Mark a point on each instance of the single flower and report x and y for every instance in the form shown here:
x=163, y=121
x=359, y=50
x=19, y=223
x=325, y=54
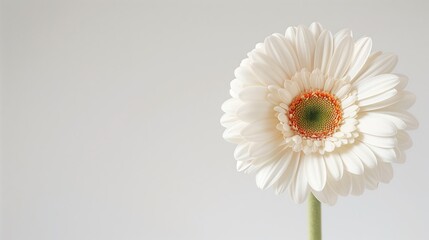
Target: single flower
x=316, y=112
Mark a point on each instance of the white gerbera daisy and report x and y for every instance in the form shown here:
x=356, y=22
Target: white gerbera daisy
x=316, y=112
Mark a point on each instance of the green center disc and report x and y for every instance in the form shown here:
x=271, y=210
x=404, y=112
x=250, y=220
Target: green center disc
x=315, y=114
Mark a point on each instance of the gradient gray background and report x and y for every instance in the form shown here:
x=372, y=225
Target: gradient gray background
x=110, y=121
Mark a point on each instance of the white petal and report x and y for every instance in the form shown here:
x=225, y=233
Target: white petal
x=371, y=178
x=285, y=96
x=305, y=79
x=233, y=93
x=385, y=172
x=384, y=154
x=329, y=146
x=404, y=101
x=231, y=105
x=351, y=162
x=400, y=155
x=343, y=91
x=282, y=51
x=273, y=99
x=290, y=35
x=236, y=84
x=334, y=165
x=268, y=74
x=389, y=101
x=383, y=142
x=365, y=154
x=227, y=120
x=351, y=99
x=350, y=121
x=315, y=170
x=347, y=128
x=326, y=196
x=343, y=186
x=245, y=74
x=323, y=51
x=403, y=81
x=339, y=135
x=233, y=134
x=289, y=174
x=264, y=149
x=305, y=45
x=253, y=93
x=341, y=58
x=270, y=158
x=315, y=28
x=358, y=185
x=252, y=111
x=384, y=97
x=361, y=51
x=317, y=80
x=337, y=85
x=298, y=188
x=251, y=168
x=370, y=87
x=243, y=165
x=329, y=84
x=404, y=140
x=383, y=63
x=241, y=152
x=402, y=120
x=340, y=35
x=376, y=126
x=292, y=87
x=270, y=173
x=261, y=130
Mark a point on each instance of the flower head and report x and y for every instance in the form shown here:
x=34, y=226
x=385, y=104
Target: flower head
x=316, y=112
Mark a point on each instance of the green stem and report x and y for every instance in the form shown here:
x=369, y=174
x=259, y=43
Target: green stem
x=314, y=218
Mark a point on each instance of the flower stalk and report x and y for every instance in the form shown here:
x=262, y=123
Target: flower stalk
x=314, y=218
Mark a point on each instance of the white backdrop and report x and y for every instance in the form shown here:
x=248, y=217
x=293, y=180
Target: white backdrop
x=110, y=121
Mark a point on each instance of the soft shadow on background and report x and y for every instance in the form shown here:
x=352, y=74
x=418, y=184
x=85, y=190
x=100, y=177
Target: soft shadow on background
x=110, y=121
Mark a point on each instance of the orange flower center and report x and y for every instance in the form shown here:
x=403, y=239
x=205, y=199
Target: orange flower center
x=315, y=114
